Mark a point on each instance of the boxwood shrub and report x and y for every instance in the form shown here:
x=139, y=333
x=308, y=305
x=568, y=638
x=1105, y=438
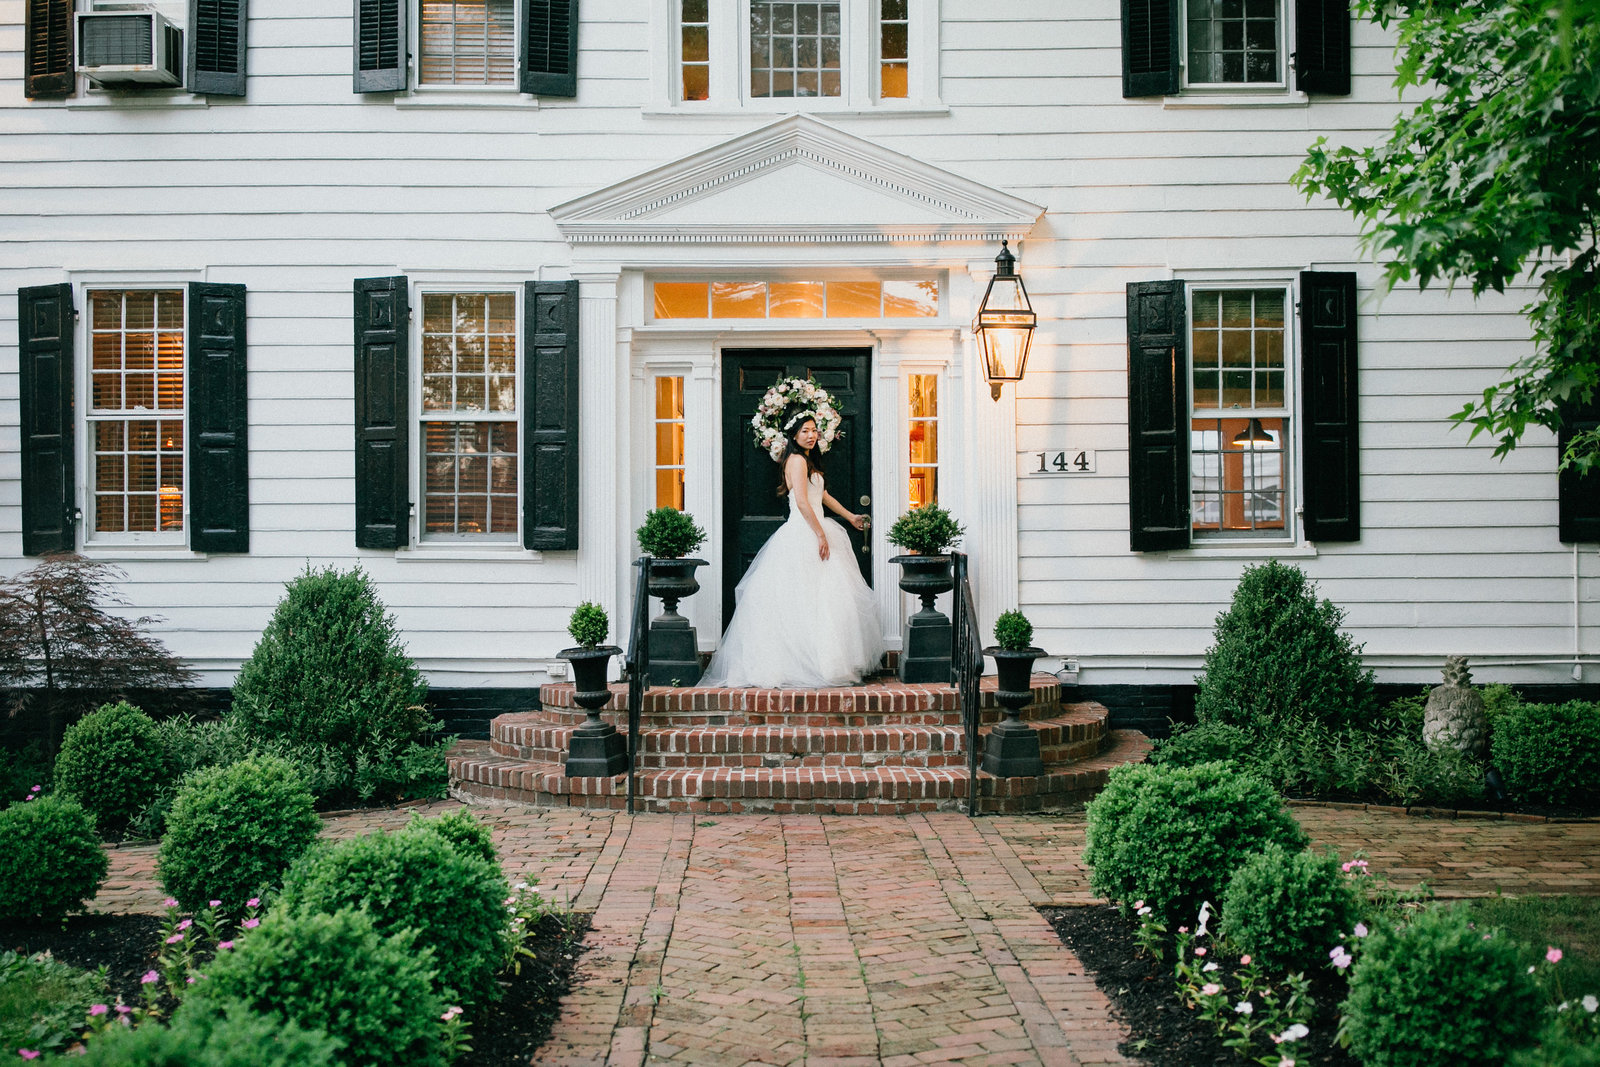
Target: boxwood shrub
x=1549, y=753
x=1173, y=836
x=1440, y=990
x=234, y=831
x=462, y=831
x=51, y=862
x=112, y=760
x=417, y=880
x=373, y=995
x=1288, y=908
x=231, y=1037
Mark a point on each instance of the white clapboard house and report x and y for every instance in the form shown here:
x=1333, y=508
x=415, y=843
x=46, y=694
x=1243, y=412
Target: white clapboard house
x=456, y=290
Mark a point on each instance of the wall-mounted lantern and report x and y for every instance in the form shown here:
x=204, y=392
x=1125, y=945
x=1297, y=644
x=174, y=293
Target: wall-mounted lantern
x=1004, y=325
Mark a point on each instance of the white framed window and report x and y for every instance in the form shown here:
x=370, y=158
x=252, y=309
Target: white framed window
x=796, y=298
x=1235, y=44
x=922, y=439
x=136, y=416
x=469, y=415
x=786, y=55
x=467, y=43
x=1241, y=392
x=669, y=441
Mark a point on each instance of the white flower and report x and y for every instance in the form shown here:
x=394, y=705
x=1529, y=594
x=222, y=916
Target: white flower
x=1211, y=967
x=1591, y=1003
x=1210, y=989
x=1361, y=929
x=1244, y=1007
x=1295, y=1032
x=1341, y=959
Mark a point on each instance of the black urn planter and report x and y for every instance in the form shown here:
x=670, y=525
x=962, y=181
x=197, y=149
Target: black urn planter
x=926, y=655
x=597, y=748
x=1012, y=748
x=674, y=648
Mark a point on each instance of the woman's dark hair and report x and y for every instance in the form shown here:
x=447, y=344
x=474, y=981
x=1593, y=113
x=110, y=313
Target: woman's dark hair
x=813, y=455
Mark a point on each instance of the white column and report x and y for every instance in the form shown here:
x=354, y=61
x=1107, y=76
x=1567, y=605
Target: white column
x=603, y=445
x=991, y=472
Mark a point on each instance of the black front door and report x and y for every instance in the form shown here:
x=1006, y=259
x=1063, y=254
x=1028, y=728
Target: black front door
x=752, y=507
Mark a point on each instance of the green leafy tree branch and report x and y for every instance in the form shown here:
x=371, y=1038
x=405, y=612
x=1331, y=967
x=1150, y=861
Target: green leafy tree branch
x=1495, y=173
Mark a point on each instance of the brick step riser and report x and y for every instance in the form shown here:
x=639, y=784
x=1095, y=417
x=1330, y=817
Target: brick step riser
x=887, y=697
x=831, y=751
x=732, y=717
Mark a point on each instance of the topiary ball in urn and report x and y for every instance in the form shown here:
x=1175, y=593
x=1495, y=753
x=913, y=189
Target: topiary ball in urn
x=668, y=533
x=926, y=531
x=1012, y=748
x=597, y=750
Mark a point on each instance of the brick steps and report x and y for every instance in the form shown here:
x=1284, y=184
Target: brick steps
x=478, y=774
x=881, y=748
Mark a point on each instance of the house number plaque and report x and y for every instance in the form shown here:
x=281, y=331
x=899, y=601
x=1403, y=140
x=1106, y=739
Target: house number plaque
x=1059, y=461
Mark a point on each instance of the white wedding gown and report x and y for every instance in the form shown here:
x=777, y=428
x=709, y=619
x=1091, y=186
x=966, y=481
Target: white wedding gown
x=799, y=621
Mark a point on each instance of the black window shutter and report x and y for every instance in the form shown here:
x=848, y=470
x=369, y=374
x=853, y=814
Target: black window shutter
x=1149, y=47
x=1158, y=416
x=383, y=473
x=380, y=46
x=1578, y=495
x=550, y=416
x=47, y=40
x=1322, y=46
x=1330, y=410
x=219, y=451
x=217, y=46
x=44, y=345
x=550, y=47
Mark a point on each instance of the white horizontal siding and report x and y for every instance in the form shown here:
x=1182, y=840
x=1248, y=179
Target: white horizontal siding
x=305, y=185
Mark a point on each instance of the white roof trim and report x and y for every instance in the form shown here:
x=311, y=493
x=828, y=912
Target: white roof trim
x=795, y=181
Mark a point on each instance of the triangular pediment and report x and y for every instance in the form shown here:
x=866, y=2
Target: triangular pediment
x=796, y=180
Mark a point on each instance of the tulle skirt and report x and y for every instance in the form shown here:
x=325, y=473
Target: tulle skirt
x=799, y=621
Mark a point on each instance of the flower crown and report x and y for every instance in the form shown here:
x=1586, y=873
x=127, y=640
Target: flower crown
x=788, y=403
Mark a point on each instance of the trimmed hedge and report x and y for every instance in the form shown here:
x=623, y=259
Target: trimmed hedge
x=51, y=862
x=112, y=760
x=1549, y=753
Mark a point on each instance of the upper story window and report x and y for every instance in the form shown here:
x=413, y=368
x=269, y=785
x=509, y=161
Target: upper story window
x=468, y=42
x=1169, y=46
x=819, y=54
x=529, y=46
x=1233, y=42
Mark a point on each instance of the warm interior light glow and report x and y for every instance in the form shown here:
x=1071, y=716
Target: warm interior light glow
x=1004, y=325
x=1253, y=436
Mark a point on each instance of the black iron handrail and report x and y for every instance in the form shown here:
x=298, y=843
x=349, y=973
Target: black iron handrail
x=637, y=664
x=966, y=667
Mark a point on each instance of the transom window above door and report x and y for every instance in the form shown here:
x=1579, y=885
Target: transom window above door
x=916, y=298
x=792, y=54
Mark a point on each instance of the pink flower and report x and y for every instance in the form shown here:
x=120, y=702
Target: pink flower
x=1361, y=929
x=251, y=924
x=1341, y=959
x=1210, y=989
x=224, y=944
x=170, y=902
x=25, y=1051
x=123, y=1009
x=28, y=1053
x=450, y=1013
x=213, y=903
x=1200, y=951
x=1244, y=960
x=174, y=939
x=1553, y=954
x=186, y=924
x=149, y=978
x=253, y=902
x=36, y=788
x=98, y=1009
x=1183, y=929
x=189, y=980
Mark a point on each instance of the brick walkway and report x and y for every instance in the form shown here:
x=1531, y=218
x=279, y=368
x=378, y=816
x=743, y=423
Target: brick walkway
x=876, y=940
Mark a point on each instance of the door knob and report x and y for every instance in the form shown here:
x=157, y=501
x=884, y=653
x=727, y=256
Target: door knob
x=866, y=501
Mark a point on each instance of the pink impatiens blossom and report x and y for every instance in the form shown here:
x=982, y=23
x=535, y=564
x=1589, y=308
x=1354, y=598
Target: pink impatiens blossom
x=28, y=1053
x=170, y=902
x=1553, y=954
x=186, y=924
x=1245, y=960
x=1210, y=989
x=213, y=903
x=253, y=902
x=174, y=939
x=149, y=978
x=1341, y=959
x=96, y=1010
x=1201, y=951
x=1361, y=929
x=224, y=944
x=250, y=924
x=451, y=1012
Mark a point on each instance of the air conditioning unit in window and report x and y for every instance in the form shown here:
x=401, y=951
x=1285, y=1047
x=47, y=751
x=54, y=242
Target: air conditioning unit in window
x=129, y=47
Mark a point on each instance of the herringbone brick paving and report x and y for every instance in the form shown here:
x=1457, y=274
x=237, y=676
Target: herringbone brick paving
x=839, y=940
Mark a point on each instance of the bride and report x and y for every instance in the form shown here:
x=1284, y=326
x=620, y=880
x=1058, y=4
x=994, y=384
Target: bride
x=835, y=638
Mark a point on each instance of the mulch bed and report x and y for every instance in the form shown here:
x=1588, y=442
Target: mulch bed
x=503, y=1034
x=1162, y=1031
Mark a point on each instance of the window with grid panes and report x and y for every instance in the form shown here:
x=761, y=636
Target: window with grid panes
x=843, y=51
x=1233, y=42
x=470, y=411
x=136, y=411
x=922, y=483
x=1239, y=460
x=468, y=42
x=669, y=442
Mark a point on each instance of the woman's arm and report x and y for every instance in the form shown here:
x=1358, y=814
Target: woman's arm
x=858, y=521
x=794, y=475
